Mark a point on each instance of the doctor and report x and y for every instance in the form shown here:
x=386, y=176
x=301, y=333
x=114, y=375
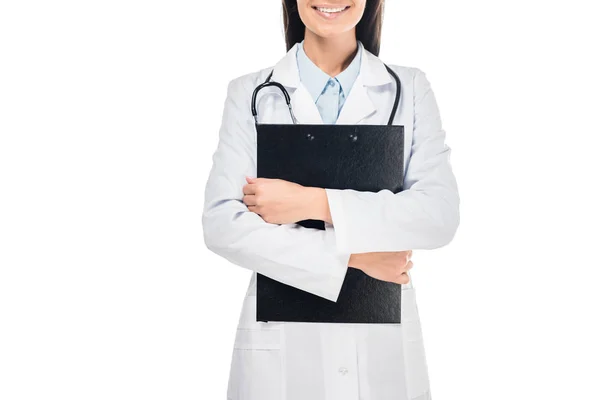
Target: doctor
x=334, y=76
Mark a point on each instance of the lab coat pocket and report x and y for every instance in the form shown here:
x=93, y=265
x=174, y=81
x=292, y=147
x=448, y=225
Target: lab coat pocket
x=256, y=374
x=256, y=365
x=417, y=379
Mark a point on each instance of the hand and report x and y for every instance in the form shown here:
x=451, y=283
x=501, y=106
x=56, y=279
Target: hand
x=390, y=266
x=281, y=202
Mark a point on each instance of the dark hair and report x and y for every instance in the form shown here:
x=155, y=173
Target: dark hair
x=368, y=29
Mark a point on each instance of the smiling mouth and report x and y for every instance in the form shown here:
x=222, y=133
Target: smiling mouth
x=330, y=11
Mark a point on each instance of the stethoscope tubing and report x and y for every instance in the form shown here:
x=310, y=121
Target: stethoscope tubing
x=286, y=95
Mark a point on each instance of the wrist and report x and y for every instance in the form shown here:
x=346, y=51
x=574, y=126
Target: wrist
x=317, y=204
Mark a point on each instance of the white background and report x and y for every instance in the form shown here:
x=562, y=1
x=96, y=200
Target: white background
x=109, y=115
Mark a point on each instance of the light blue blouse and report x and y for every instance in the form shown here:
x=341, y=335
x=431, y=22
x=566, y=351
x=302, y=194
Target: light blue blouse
x=329, y=93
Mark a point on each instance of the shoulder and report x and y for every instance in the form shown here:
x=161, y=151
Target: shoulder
x=243, y=85
x=410, y=73
x=415, y=77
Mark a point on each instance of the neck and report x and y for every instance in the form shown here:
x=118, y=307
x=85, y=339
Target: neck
x=332, y=55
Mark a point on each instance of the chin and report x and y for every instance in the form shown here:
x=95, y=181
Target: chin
x=328, y=32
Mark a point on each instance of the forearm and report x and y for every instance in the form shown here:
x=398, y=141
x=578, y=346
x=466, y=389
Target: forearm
x=301, y=257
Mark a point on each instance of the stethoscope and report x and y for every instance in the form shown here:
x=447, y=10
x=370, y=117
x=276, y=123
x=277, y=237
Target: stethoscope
x=287, y=98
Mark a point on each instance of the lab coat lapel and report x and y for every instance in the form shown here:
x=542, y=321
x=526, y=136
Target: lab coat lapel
x=358, y=104
x=286, y=72
x=304, y=106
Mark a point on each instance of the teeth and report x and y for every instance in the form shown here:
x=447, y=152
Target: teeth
x=331, y=10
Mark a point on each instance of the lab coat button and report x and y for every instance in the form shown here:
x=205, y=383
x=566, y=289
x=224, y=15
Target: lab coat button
x=343, y=370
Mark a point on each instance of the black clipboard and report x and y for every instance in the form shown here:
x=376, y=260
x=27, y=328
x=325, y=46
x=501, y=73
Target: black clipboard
x=360, y=157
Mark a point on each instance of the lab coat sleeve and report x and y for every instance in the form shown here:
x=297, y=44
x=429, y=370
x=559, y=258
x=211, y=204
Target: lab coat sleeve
x=305, y=258
x=425, y=215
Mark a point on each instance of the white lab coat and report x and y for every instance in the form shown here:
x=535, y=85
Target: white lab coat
x=322, y=361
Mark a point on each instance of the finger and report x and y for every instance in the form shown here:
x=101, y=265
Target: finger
x=250, y=179
x=259, y=180
x=249, y=188
x=249, y=200
x=409, y=265
x=403, y=279
x=254, y=209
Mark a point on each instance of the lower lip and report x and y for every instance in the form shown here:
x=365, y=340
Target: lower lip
x=331, y=16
